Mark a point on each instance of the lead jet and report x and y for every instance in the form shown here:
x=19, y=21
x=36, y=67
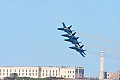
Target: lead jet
x=70, y=35
x=66, y=29
x=79, y=49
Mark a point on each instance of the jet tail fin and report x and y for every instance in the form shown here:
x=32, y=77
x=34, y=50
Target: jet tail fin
x=64, y=25
x=77, y=37
x=73, y=33
x=69, y=27
x=81, y=54
x=84, y=52
x=78, y=43
x=81, y=46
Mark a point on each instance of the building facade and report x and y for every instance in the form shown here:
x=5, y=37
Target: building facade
x=112, y=76
x=43, y=71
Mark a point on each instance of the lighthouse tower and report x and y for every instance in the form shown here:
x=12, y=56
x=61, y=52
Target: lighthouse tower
x=101, y=75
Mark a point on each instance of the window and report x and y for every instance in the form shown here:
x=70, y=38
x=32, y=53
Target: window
x=26, y=74
x=36, y=74
x=26, y=70
x=33, y=70
x=64, y=76
x=7, y=73
x=46, y=71
x=53, y=72
x=29, y=70
x=19, y=70
x=43, y=74
x=56, y=74
x=68, y=76
x=43, y=71
x=19, y=74
x=68, y=71
x=7, y=70
x=3, y=73
x=22, y=74
x=22, y=70
x=29, y=74
x=33, y=74
x=0, y=73
x=0, y=70
x=36, y=70
x=73, y=71
x=46, y=74
x=73, y=76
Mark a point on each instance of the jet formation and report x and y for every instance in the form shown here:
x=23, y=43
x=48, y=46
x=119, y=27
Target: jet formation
x=72, y=38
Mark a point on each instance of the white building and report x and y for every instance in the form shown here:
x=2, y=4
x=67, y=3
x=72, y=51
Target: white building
x=42, y=71
x=112, y=76
x=5, y=71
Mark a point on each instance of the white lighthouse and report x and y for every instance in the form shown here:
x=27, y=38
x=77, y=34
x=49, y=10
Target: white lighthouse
x=101, y=75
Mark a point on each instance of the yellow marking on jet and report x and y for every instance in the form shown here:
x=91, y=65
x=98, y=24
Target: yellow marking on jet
x=65, y=28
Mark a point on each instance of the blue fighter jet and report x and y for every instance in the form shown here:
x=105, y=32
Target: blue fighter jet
x=66, y=29
x=73, y=41
x=70, y=35
x=79, y=49
x=72, y=38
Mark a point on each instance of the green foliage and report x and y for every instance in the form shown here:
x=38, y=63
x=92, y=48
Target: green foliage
x=27, y=78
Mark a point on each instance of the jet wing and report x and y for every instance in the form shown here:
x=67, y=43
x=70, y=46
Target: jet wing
x=66, y=35
x=67, y=40
x=62, y=29
x=70, y=35
x=73, y=48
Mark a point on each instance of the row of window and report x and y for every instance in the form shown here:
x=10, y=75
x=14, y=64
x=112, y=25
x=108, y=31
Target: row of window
x=49, y=75
x=70, y=71
x=50, y=71
x=56, y=71
x=10, y=70
x=69, y=76
x=21, y=74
